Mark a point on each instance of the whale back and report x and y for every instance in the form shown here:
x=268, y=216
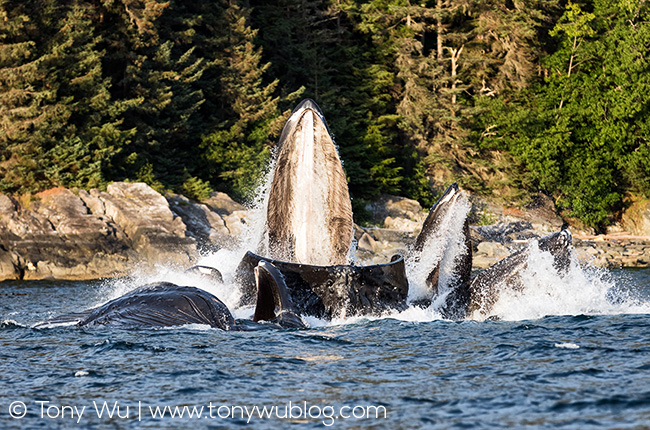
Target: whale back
x=309, y=214
x=160, y=304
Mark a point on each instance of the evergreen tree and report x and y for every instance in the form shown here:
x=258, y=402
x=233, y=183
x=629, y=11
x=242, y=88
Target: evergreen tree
x=26, y=102
x=580, y=134
x=92, y=134
x=314, y=47
x=163, y=72
x=238, y=151
x=61, y=123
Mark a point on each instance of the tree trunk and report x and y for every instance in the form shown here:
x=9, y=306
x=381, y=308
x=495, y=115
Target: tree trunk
x=439, y=29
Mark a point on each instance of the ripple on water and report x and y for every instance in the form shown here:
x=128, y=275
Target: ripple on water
x=430, y=374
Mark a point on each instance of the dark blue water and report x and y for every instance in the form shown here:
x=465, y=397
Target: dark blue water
x=570, y=371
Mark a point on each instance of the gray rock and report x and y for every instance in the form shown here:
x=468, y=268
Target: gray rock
x=636, y=218
x=204, y=224
x=93, y=202
x=56, y=237
x=367, y=243
x=68, y=214
x=8, y=269
x=501, y=231
x=144, y=215
x=237, y=222
x=396, y=212
x=58, y=234
x=223, y=204
x=390, y=235
x=493, y=249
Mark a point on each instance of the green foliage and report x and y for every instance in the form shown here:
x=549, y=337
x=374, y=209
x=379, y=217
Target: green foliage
x=582, y=132
x=197, y=189
x=191, y=96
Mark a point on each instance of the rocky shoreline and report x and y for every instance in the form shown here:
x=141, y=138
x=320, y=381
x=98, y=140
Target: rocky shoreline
x=60, y=234
x=79, y=235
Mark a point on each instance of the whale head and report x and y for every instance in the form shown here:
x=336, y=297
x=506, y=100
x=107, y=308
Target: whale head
x=559, y=245
x=309, y=213
x=445, y=204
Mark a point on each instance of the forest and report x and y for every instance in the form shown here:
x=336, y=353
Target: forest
x=506, y=97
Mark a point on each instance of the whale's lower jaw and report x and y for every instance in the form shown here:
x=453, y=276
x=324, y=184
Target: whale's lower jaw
x=333, y=291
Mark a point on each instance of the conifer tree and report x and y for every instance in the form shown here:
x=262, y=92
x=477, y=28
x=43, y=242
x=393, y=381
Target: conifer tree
x=26, y=108
x=163, y=72
x=239, y=149
x=92, y=134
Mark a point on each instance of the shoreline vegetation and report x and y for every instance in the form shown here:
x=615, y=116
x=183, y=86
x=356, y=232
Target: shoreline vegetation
x=79, y=235
x=510, y=99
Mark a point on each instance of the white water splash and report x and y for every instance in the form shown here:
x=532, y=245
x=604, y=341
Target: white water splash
x=582, y=290
x=567, y=345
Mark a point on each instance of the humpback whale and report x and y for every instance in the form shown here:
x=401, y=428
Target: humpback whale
x=484, y=290
x=334, y=291
x=207, y=272
x=309, y=214
x=466, y=297
x=445, y=242
x=163, y=304
x=310, y=228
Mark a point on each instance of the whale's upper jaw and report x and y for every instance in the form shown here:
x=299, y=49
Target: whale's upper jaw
x=309, y=213
x=444, y=204
x=308, y=104
x=452, y=192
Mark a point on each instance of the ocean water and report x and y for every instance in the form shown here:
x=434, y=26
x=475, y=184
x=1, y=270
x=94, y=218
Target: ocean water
x=573, y=354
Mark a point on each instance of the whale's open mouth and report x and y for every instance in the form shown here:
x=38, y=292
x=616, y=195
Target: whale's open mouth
x=309, y=214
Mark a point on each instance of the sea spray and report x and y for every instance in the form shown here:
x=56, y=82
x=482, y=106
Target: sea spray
x=582, y=290
x=444, y=246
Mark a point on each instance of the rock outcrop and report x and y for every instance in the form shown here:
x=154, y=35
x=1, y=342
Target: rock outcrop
x=636, y=219
x=62, y=235
x=499, y=231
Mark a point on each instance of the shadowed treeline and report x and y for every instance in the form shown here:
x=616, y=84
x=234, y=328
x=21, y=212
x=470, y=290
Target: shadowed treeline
x=505, y=97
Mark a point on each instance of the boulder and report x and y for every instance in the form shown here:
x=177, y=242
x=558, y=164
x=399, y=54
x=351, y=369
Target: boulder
x=55, y=236
x=237, y=222
x=66, y=235
x=68, y=214
x=636, y=219
x=402, y=224
x=367, y=243
x=222, y=204
x=93, y=202
x=8, y=270
x=203, y=224
x=493, y=249
x=397, y=213
x=147, y=220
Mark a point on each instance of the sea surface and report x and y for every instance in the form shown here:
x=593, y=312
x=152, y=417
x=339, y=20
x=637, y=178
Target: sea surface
x=581, y=368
